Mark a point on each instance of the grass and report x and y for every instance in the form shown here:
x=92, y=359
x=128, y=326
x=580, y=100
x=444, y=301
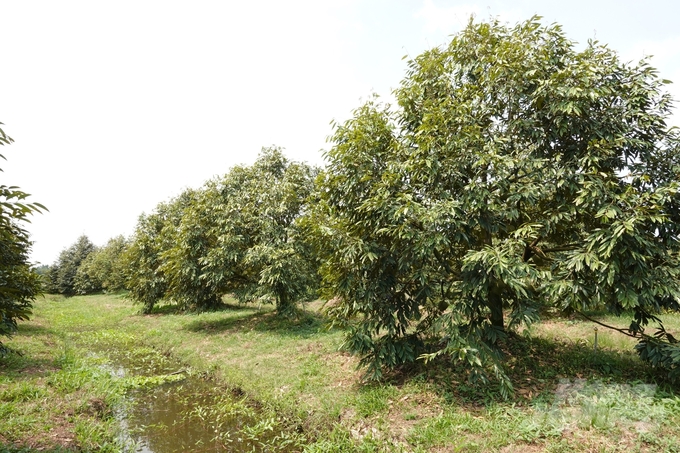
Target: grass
x=568, y=396
x=53, y=397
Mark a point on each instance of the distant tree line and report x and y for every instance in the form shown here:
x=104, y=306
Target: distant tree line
x=84, y=268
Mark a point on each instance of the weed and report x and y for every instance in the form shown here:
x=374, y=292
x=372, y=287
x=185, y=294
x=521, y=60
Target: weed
x=23, y=391
x=374, y=399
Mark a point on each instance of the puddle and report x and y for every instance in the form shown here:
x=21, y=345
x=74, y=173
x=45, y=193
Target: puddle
x=191, y=413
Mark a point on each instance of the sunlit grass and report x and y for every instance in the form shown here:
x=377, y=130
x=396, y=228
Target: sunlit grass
x=293, y=368
x=53, y=398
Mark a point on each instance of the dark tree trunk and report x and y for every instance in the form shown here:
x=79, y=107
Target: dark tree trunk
x=283, y=305
x=495, y=300
x=496, y=307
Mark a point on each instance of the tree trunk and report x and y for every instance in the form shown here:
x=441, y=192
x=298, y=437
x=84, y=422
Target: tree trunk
x=495, y=300
x=283, y=304
x=496, y=307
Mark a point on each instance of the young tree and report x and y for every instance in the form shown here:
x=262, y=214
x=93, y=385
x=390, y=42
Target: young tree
x=103, y=269
x=64, y=270
x=238, y=234
x=182, y=262
x=19, y=283
x=257, y=250
x=154, y=236
x=86, y=281
x=516, y=173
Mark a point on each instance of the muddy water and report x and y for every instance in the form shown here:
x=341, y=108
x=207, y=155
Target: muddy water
x=192, y=414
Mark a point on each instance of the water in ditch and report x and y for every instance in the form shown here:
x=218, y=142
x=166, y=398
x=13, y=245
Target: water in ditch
x=170, y=409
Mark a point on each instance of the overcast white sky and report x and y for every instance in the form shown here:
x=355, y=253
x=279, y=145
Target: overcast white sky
x=117, y=106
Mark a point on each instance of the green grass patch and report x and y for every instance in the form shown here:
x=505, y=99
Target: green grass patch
x=568, y=396
x=55, y=398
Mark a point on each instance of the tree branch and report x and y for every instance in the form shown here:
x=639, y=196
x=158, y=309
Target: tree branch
x=563, y=248
x=529, y=250
x=514, y=176
x=442, y=261
x=626, y=332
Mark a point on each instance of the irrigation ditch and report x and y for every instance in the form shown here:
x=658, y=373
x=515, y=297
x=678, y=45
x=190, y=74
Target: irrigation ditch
x=169, y=407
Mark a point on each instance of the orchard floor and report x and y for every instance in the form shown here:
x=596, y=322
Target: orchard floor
x=306, y=394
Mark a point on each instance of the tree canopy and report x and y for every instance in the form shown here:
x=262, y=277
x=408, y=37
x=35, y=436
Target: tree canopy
x=103, y=269
x=153, y=236
x=63, y=274
x=19, y=283
x=260, y=252
x=238, y=234
x=516, y=173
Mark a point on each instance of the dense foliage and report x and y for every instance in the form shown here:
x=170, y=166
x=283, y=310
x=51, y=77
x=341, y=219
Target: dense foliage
x=153, y=237
x=261, y=253
x=238, y=234
x=103, y=269
x=64, y=272
x=516, y=174
x=19, y=283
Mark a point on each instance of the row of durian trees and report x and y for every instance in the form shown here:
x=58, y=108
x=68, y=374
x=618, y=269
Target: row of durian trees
x=238, y=234
x=514, y=174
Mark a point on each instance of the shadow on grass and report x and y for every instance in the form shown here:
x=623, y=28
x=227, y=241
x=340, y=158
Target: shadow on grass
x=20, y=365
x=23, y=360
x=172, y=309
x=301, y=324
x=535, y=366
x=30, y=330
